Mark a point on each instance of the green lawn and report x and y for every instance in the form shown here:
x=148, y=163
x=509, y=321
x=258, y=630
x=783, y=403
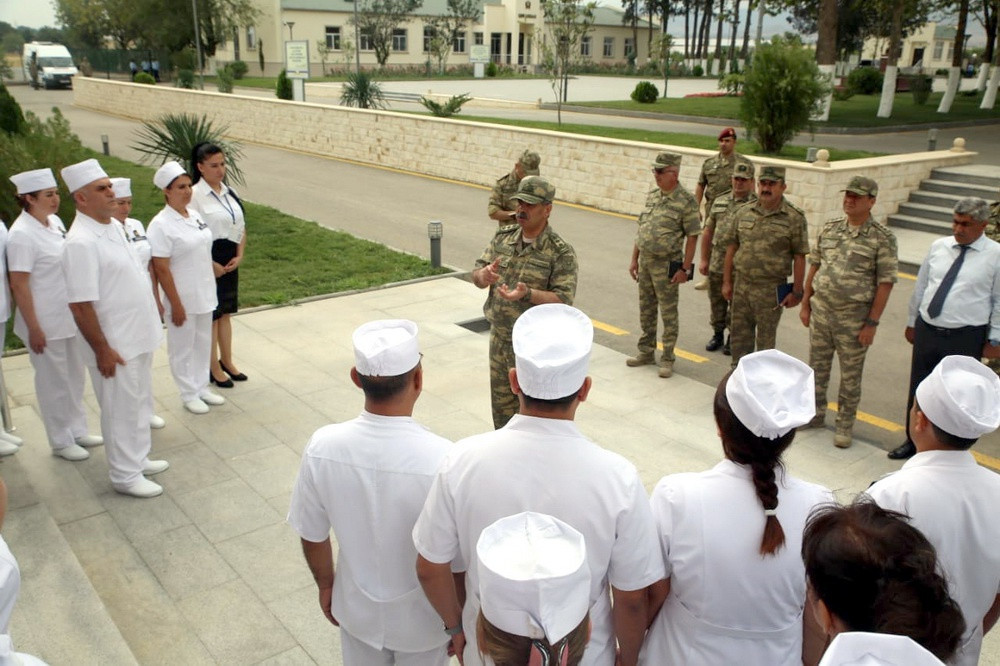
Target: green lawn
x=858, y=111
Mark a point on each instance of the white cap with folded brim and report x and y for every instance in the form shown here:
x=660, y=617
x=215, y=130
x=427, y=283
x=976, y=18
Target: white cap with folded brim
x=122, y=187
x=552, y=350
x=534, y=580
x=386, y=347
x=167, y=174
x=36, y=180
x=82, y=173
x=962, y=397
x=771, y=393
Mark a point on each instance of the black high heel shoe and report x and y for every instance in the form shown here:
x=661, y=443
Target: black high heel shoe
x=225, y=383
x=238, y=377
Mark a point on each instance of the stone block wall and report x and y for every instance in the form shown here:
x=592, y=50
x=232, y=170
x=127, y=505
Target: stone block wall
x=608, y=174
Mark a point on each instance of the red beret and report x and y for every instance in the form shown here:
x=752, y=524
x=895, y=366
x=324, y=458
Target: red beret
x=729, y=131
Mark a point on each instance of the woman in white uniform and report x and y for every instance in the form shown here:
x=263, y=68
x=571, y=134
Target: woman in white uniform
x=222, y=211
x=735, y=587
x=876, y=589
x=136, y=234
x=43, y=320
x=9, y=444
x=534, y=587
x=181, y=246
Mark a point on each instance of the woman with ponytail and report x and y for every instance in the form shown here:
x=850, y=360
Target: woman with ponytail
x=875, y=588
x=730, y=536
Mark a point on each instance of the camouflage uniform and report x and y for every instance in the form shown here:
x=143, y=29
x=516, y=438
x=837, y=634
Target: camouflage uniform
x=993, y=231
x=500, y=197
x=717, y=176
x=548, y=263
x=768, y=241
x=664, y=225
x=719, y=220
x=852, y=262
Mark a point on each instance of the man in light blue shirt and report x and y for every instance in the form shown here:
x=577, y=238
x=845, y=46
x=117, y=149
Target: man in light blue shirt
x=955, y=308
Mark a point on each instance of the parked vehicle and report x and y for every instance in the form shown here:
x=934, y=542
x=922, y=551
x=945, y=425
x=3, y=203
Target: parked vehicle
x=55, y=68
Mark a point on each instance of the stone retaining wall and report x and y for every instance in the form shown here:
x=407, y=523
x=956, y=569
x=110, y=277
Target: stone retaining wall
x=608, y=174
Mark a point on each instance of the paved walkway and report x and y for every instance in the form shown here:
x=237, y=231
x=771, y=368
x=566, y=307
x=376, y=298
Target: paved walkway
x=209, y=573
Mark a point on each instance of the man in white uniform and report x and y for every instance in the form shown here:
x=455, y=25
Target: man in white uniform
x=950, y=498
x=367, y=480
x=541, y=462
x=115, y=311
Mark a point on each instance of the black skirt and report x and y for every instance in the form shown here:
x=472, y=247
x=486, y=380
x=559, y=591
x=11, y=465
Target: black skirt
x=227, y=286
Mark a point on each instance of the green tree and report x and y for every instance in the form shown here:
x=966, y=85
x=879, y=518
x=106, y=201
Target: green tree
x=447, y=27
x=377, y=19
x=566, y=23
x=324, y=54
x=782, y=91
x=12, y=42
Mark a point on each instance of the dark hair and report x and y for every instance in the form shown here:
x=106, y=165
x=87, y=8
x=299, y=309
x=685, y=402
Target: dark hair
x=507, y=649
x=550, y=405
x=381, y=389
x=946, y=438
x=878, y=573
x=201, y=152
x=761, y=455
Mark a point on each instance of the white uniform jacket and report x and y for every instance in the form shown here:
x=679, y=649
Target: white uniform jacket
x=545, y=465
x=860, y=648
x=728, y=604
x=36, y=249
x=953, y=501
x=187, y=242
x=367, y=479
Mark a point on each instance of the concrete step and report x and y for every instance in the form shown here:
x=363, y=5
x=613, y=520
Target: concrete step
x=938, y=199
x=936, y=227
x=929, y=211
x=959, y=188
x=976, y=174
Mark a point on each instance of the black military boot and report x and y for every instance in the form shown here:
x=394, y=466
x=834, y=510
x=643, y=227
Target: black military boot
x=726, y=349
x=715, y=342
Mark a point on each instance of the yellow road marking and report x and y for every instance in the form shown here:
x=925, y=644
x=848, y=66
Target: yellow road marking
x=686, y=355
x=987, y=460
x=907, y=276
x=876, y=421
x=608, y=328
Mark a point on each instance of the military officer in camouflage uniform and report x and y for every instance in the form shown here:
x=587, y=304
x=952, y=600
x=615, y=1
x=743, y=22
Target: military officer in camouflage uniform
x=668, y=233
x=525, y=264
x=713, y=249
x=502, y=206
x=852, y=270
x=767, y=241
x=716, y=176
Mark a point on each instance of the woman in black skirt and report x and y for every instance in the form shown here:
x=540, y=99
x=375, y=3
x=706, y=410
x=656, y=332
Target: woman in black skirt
x=222, y=210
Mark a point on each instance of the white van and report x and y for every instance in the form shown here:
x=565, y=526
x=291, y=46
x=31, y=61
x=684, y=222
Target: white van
x=55, y=64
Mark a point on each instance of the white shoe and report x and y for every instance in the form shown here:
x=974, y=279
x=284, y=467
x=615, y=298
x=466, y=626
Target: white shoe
x=72, y=453
x=702, y=285
x=10, y=437
x=89, y=440
x=155, y=467
x=8, y=448
x=212, y=398
x=196, y=406
x=141, y=488
x=157, y=422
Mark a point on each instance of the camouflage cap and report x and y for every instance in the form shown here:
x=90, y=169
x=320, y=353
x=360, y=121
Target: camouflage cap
x=529, y=161
x=744, y=170
x=535, y=189
x=667, y=160
x=774, y=173
x=863, y=186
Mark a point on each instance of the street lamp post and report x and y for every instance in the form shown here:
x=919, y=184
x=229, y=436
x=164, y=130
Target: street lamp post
x=197, y=43
x=291, y=26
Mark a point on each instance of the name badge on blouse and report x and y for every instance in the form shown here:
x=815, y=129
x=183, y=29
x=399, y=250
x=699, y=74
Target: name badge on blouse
x=202, y=225
x=136, y=238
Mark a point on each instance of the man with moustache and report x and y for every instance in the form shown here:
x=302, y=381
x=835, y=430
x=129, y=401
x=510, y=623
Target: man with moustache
x=525, y=264
x=768, y=240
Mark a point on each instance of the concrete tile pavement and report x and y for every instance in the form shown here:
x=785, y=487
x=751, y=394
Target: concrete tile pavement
x=209, y=573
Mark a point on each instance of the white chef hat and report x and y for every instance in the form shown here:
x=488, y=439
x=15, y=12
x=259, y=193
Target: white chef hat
x=167, y=173
x=534, y=580
x=122, y=187
x=552, y=350
x=386, y=347
x=771, y=393
x=962, y=397
x=27, y=182
x=82, y=173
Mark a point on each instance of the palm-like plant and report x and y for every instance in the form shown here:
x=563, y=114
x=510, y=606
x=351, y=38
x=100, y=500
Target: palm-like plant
x=174, y=135
x=449, y=108
x=362, y=91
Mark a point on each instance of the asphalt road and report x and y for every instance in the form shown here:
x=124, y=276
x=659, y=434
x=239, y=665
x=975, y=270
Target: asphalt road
x=394, y=208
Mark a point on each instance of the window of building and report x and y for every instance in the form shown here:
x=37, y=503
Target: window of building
x=399, y=39
x=609, y=47
x=477, y=38
x=951, y=50
x=428, y=36
x=333, y=37
x=251, y=38
x=585, y=46
x=458, y=45
x=366, y=41
x=629, y=46
x=938, y=49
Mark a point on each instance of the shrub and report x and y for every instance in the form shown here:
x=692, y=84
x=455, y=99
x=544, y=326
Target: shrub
x=224, y=79
x=842, y=93
x=186, y=58
x=865, y=81
x=491, y=69
x=697, y=70
x=941, y=72
x=185, y=78
x=283, y=89
x=732, y=83
x=173, y=136
x=143, y=77
x=362, y=91
x=645, y=92
x=449, y=108
x=238, y=68
x=11, y=117
x=783, y=90
x=920, y=86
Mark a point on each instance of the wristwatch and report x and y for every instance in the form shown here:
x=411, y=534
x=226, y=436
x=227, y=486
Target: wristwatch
x=871, y=322
x=454, y=631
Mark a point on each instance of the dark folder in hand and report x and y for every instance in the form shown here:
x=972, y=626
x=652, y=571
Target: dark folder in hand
x=781, y=291
x=675, y=266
